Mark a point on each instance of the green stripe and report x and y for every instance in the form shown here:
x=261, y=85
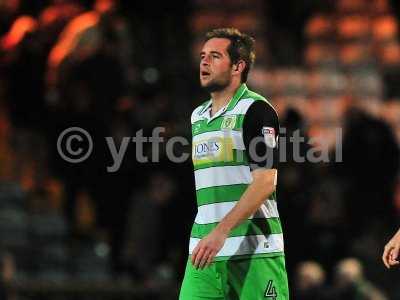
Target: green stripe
x=224, y=193
x=239, y=158
x=217, y=194
x=215, y=125
x=240, y=92
x=257, y=226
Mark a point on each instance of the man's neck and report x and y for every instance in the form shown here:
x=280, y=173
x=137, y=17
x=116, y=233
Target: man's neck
x=221, y=98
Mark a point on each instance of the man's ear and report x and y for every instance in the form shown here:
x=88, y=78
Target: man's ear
x=239, y=67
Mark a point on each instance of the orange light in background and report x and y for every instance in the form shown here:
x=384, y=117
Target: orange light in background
x=21, y=26
x=390, y=54
x=103, y=6
x=68, y=38
x=318, y=25
x=384, y=28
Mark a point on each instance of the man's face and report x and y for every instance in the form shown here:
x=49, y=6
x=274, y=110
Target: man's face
x=215, y=65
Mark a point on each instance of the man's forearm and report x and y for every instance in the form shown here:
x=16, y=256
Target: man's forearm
x=255, y=194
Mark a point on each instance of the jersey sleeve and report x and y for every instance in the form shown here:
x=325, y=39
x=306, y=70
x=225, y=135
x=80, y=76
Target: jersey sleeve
x=260, y=136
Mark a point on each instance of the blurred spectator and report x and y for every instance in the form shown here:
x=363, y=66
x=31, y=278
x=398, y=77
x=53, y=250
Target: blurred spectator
x=22, y=72
x=88, y=70
x=349, y=282
x=98, y=30
x=295, y=182
x=368, y=144
x=148, y=229
x=309, y=281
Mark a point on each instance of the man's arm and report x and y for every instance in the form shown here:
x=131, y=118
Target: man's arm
x=391, y=252
x=260, y=122
x=263, y=185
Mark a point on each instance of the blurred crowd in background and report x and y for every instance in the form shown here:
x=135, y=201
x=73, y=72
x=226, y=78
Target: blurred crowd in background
x=116, y=67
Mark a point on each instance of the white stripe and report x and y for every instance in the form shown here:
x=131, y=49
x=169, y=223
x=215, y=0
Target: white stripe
x=251, y=244
x=236, y=135
x=241, y=107
x=215, y=212
x=224, y=175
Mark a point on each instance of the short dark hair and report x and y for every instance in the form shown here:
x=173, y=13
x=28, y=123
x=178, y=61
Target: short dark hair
x=240, y=48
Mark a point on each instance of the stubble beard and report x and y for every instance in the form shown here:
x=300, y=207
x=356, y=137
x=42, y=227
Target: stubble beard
x=217, y=85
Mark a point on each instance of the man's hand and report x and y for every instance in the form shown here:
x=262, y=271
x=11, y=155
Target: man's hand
x=207, y=248
x=391, y=253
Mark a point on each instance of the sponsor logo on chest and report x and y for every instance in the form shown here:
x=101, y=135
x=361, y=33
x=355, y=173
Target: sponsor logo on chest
x=214, y=149
x=207, y=148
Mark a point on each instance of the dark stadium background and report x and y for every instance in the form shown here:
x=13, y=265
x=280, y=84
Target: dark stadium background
x=76, y=231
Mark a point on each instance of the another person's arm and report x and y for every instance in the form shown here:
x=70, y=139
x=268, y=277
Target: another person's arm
x=390, y=255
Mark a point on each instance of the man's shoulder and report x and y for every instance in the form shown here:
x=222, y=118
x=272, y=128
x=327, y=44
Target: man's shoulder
x=261, y=110
x=251, y=99
x=258, y=100
x=249, y=94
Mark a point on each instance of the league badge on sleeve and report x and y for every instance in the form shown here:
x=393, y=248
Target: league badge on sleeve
x=270, y=137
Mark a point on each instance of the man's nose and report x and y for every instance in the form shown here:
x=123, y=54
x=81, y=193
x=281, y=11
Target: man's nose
x=205, y=61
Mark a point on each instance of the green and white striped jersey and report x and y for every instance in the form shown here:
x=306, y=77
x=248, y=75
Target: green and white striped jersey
x=222, y=174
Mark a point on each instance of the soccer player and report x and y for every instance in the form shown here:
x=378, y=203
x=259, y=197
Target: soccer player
x=236, y=242
x=390, y=255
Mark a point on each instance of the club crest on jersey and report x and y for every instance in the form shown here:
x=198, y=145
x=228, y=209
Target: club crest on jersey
x=228, y=122
x=269, y=136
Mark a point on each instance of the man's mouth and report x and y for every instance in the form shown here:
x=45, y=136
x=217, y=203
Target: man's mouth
x=205, y=73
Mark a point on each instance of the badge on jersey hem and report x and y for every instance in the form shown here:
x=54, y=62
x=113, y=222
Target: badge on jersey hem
x=269, y=136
